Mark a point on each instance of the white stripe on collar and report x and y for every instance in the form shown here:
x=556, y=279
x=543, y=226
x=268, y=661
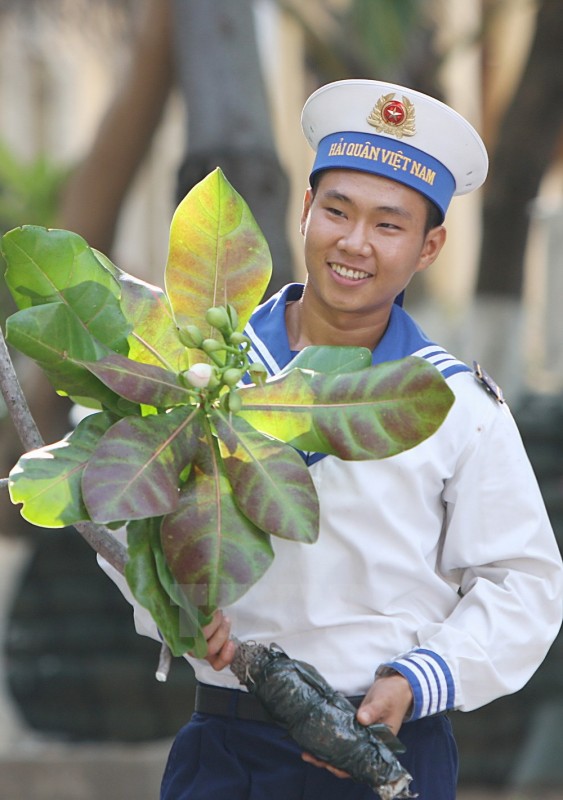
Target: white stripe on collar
x=439, y=357
x=259, y=351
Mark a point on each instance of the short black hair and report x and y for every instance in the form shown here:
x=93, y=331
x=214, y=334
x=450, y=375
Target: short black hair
x=434, y=216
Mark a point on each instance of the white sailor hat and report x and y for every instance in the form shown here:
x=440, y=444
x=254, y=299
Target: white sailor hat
x=397, y=133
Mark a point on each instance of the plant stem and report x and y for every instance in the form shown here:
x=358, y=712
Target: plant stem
x=104, y=543
x=99, y=538
x=164, y=663
x=15, y=401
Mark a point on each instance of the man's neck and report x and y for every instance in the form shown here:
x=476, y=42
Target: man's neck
x=305, y=326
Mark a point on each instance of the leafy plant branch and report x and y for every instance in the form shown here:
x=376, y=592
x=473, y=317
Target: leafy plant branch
x=189, y=446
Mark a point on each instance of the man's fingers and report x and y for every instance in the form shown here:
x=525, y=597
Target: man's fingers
x=220, y=648
x=388, y=700
x=217, y=633
x=217, y=620
x=224, y=657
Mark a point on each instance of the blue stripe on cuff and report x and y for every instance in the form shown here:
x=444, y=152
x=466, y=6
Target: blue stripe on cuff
x=430, y=679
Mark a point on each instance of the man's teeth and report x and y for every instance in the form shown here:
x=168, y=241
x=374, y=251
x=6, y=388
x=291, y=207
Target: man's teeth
x=352, y=274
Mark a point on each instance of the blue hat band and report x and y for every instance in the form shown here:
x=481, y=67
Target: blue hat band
x=391, y=159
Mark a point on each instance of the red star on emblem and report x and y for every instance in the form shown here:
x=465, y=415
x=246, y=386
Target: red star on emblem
x=394, y=112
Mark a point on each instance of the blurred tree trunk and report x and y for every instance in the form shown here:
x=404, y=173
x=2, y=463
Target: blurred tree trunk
x=228, y=115
x=526, y=145
x=97, y=188
x=211, y=49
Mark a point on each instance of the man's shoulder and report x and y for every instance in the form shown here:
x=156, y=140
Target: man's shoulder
x=446, y=363
x=404, y=337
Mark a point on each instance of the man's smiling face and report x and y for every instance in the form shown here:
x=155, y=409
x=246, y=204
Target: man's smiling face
x=365, y=237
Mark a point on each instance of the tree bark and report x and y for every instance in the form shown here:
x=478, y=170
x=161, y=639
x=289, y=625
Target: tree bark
x=527, y=141
x=95, y=192
x=228, y=115
x=211, y=50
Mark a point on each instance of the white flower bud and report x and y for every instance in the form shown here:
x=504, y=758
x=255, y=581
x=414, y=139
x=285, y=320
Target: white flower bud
x=199, y=375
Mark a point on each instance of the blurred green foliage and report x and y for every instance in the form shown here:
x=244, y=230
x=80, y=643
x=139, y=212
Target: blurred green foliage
x=29, y=194
x=385, y=39
x=379, y=29
x=29, y=190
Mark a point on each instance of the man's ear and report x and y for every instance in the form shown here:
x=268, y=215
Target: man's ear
x=307, y=201
x=433, y=243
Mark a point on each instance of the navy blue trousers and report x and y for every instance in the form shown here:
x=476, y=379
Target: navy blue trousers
x=222, y=758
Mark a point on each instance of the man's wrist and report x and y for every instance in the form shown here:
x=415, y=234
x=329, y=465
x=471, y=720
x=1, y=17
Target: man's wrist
x=385, y=671
x=430, y=679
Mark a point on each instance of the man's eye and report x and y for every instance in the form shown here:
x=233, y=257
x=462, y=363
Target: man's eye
x=336, y=211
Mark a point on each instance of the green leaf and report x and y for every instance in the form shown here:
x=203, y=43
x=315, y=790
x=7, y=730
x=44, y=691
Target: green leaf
x=190, y=619
x=217, y=255
x=373, y=413
x=141, y=383
x=330, y=358
x=271, y=483
x=214, y=552
x=154, y=337
x=282, y=406
x=53, y=336
x=55, y=266
x=47, y=481
x=143, y=578
x=135, y=470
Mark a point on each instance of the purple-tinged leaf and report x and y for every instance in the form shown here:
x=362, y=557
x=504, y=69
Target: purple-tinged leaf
x=47, y=481
x=191, y=619
x=214, y=552
x=140, y=383
x=179, y=628
x=271, y=483
x=135, y=470
x=369, y=414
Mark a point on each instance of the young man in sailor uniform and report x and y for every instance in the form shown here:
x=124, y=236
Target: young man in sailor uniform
x=436, y=581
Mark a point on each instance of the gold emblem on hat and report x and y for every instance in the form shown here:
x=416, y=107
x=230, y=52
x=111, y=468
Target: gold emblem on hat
x=393, y=117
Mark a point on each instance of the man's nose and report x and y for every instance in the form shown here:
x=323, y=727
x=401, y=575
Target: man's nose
x=356, y=240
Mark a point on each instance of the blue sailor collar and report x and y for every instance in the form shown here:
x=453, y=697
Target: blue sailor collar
x=403, y=337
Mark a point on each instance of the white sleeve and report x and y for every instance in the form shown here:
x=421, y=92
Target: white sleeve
x=499, y=548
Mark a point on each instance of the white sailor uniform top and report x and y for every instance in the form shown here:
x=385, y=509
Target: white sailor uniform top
x=439, y=562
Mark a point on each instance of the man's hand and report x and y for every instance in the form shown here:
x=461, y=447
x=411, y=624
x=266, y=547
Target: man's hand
x=220, y=648
x=388, y=700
